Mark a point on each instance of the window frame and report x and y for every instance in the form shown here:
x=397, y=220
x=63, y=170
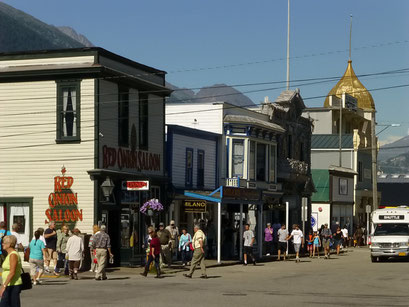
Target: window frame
x=59, y=110
x=143, y=139
x=189, y=170
x=233, y=174
x=123, y=104
x=200, y=183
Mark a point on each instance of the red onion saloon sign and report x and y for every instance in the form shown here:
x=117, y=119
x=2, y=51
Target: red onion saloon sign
x=63, y=202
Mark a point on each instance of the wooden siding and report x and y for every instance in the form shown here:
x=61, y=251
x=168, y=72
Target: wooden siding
x=178, y=160
x=29, y=155
x=47, y=61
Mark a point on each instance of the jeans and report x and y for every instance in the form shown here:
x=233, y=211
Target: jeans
x=61, y=256
x=269, y=247
x=186, y=256
x=150, y=259
x=11, y=297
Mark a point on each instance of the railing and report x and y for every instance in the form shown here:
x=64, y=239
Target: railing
x=233, y=182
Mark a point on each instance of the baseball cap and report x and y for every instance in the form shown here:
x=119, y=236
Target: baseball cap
x=161, y=224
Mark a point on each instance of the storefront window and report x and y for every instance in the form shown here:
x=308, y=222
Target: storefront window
x=252, y=165
x=238, y=158
x=261, y=162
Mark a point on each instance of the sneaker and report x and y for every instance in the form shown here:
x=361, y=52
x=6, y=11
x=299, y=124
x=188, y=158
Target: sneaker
x=98, y=278
x=187, y=275
x=92, y=271
x=325, y=257
x=34, y=282
x=38, y=282
x=267, y=254
x=204, y=277
x=104, y=278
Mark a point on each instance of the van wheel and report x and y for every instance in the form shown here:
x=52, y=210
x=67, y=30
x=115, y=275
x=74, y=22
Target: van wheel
x=373, y=259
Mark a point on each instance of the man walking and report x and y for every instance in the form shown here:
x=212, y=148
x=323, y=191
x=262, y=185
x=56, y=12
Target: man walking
x=174, y=233
x=268, y=238
x=50, y=236
x=164, y=238
x=282, y=241
x=298, y=240
x=102, y=246
x=248, y=237
x=326, y=239
x=198, y=243
x=14, y=232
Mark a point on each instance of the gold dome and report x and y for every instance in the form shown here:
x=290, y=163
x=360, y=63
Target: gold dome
x=351, y=85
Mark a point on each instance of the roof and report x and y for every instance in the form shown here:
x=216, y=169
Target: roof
x=242, y=119
x=321, y=183
x=192, y=132
x=286, y=96
x=342, y=170
x=351, y=85
x=331, y=141
x=393, y=178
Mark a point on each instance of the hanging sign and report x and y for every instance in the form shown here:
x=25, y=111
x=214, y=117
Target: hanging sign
x=195, y=206
x=140, y=185
x=63, y=202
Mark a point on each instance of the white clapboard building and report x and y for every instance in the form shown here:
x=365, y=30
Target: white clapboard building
x=78, y=127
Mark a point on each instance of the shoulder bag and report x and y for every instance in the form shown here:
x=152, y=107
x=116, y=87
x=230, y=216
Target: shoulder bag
x=26, y=279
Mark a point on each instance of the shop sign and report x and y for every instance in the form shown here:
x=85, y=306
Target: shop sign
x=195, y=206
x=240, y=193
x=140, y=185
x=63, y=202
x=131, y=159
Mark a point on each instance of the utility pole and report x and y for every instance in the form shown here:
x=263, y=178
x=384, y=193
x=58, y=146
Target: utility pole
x=288, y=48
x=374, y=149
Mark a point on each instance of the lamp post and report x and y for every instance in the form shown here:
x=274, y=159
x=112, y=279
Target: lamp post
x=107, y=187
x=386, y=127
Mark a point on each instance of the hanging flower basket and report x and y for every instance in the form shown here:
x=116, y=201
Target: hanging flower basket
x=151, y=206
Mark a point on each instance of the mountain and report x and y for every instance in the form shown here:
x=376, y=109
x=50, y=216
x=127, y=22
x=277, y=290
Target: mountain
x=393, y=158
x=214, y=93
x=21, y=32
x=76, y=36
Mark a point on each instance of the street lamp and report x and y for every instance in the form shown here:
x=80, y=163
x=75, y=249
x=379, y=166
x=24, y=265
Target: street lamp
x=386, y=127
x=107, y=187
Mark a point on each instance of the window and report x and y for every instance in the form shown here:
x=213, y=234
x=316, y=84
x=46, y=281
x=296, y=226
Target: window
x=290, y=146
x=360, y=171
x=200, y=168
x=252, y=166
x=261, y=162
x=343, y=186
x=123, y=117
x=143, y=121
x=68, y=111
x=189, y=167
x=272, y=163
x=238, y=158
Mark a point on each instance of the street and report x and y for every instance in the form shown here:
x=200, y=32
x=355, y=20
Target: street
x=347, y=280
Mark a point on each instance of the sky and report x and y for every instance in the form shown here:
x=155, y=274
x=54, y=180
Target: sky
x=201, y=43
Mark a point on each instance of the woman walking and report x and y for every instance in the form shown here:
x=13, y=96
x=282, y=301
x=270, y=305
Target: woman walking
x=37, y=255
x=317, y=244
x=11, y=288
x=154, y=252
x=184, y=243
x=338, y=239
x=94, y=263
x=75, y=249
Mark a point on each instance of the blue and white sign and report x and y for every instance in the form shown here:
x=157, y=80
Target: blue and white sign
x=314, y=221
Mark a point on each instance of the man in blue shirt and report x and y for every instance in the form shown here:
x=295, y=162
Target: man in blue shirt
x=3, y=233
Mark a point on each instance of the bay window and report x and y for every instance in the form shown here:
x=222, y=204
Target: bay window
x=238, y=158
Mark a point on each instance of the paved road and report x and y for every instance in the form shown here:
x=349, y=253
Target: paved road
x=347, y=280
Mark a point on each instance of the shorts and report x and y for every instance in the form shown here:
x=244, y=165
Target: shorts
x=326, y=243
x=316, y=245
x=282, y=246
x=337, y=242
x=309, y=247
x=36, y=264
x=297, y=247
x=248, y=250
x=51, y=254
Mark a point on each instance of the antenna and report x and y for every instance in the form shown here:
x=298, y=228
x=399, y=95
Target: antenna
x=288, y=48
x=350, y=37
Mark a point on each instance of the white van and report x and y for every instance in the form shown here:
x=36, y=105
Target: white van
x=390, y=237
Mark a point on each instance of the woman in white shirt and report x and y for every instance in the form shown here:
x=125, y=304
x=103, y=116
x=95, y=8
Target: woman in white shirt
x=75, y=250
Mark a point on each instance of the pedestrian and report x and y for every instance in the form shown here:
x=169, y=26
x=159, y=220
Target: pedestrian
x=36, y=259
x=316, y=244
x=50, y=235
x=198, y=243
x=154, y=252
x=326, y=240
x=164, y=238
x=14, y=232
x=174, y=234
x=41, y=231
x=62, y=249
x=12, y=268
x=249, y=239
x=338, y=239
x=75, y=251
x=298, y=241
x=358, y=236
x=94, y=262
x=310, y=240
x=268, y=238
x=102, y=245
x=184, y=246
x=3, y=233
x=345, y=236
x=282, y=234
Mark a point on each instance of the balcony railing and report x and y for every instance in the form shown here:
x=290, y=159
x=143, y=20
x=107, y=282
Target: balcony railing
x=233, y=182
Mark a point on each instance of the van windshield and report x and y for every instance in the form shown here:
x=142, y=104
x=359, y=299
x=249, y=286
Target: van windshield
x=392, y=230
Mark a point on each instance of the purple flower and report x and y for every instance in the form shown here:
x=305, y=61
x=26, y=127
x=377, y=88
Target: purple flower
x=152, y=204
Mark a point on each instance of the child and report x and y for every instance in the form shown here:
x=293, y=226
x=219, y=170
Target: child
x=317, y=244
x=309, y=245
